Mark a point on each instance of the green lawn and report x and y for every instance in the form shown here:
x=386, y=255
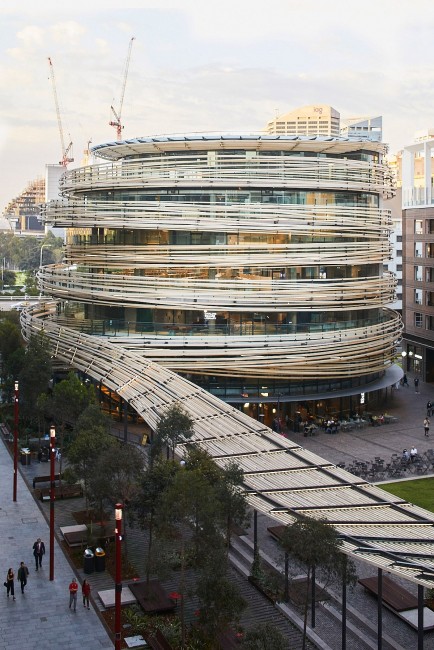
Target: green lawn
x=419, y=491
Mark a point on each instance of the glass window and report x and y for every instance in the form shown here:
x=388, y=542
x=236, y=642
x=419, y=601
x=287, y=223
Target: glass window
x=418, y=296
x=417, y=319
x=418, y=227
x=399, y=252
x=418, y=273
x=399, y=238
x=418, y=249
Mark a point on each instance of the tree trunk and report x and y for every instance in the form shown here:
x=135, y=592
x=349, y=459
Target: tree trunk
x=182, y=589
x=148, y=563
x=306, y=608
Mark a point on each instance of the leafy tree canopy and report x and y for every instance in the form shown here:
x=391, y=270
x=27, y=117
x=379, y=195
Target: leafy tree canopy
x=35, y=374
x=264, y=636
x=175, y=426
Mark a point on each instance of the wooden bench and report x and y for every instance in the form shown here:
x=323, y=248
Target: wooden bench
x=393, y=595
x=400, y=601
x=62, y=492
x=44, y=479
x=75, y=535
x=152, y=598
x=276, y=532
x=158, y=641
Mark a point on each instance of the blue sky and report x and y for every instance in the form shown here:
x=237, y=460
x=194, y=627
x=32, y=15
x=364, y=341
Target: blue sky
x=204, y=66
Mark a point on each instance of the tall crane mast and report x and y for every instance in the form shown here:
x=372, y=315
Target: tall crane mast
x=117, y=114
x=65, y=151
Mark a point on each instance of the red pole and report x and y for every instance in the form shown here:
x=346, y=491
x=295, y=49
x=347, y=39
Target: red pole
x=118, y=585
x=52, y=497
x=15, y=440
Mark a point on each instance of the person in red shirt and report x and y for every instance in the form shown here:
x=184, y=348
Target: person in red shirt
x=85, y=590
x=73, y=588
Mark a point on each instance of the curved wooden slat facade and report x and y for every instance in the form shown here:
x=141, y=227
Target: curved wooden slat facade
x=283, y=238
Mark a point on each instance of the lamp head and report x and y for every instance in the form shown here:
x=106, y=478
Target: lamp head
x=118, y=511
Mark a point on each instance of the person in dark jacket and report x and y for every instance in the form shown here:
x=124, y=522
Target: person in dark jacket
x=85, y=590
x=22, y=574
x=10, y=577
x=38, y=552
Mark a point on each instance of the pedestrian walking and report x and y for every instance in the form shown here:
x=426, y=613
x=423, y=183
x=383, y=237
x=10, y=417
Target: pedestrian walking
x=416, y=384
x=73, y=588
x=9, y=584
x=426, y=424
x=85, y=590
x=428, y=409
x=22, y=574
x=405, y=381
x=38, y=552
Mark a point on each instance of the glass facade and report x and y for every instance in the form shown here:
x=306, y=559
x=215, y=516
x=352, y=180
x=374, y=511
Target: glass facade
x=233, y=264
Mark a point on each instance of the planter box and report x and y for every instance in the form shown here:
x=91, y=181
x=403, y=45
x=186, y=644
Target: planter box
x=263, y=591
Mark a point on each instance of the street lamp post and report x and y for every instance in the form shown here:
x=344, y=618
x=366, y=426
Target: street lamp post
x=118, y=582
x=15, y=440
x=40, y=260
x=40, y=254
x=279, y=424
x=52, y=496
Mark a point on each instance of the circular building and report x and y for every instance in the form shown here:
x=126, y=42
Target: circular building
x=250, y=264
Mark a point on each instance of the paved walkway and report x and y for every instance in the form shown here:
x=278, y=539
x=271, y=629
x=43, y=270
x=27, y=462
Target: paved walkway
x=365, y=444
x=41, y=619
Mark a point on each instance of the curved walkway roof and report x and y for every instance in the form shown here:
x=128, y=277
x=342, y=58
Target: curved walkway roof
x=281, y=479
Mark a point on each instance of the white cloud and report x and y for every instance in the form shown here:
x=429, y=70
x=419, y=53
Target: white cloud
x=68, y=34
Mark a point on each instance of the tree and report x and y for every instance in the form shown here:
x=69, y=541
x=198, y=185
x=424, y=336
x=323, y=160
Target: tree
x=315, y=545
x=187, y=516
x=145, y=504
x=220, y=602
x=91, y=438
x=264, y=636
x=227, y=481
x=10, y=335
x=232, y=499
x=175, y=426
x=35, y=375
x=12, y=351
x=116, y=476
x=69, y=398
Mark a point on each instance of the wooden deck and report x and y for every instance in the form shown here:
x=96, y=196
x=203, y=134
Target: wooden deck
x=152, y=598
x=393, y=595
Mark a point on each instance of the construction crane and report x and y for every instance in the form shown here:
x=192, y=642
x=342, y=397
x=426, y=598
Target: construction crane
x=65, y=151
x=117, y=114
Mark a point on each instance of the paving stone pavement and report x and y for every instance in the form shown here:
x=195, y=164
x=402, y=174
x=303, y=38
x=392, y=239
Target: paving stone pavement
x=40, y=619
